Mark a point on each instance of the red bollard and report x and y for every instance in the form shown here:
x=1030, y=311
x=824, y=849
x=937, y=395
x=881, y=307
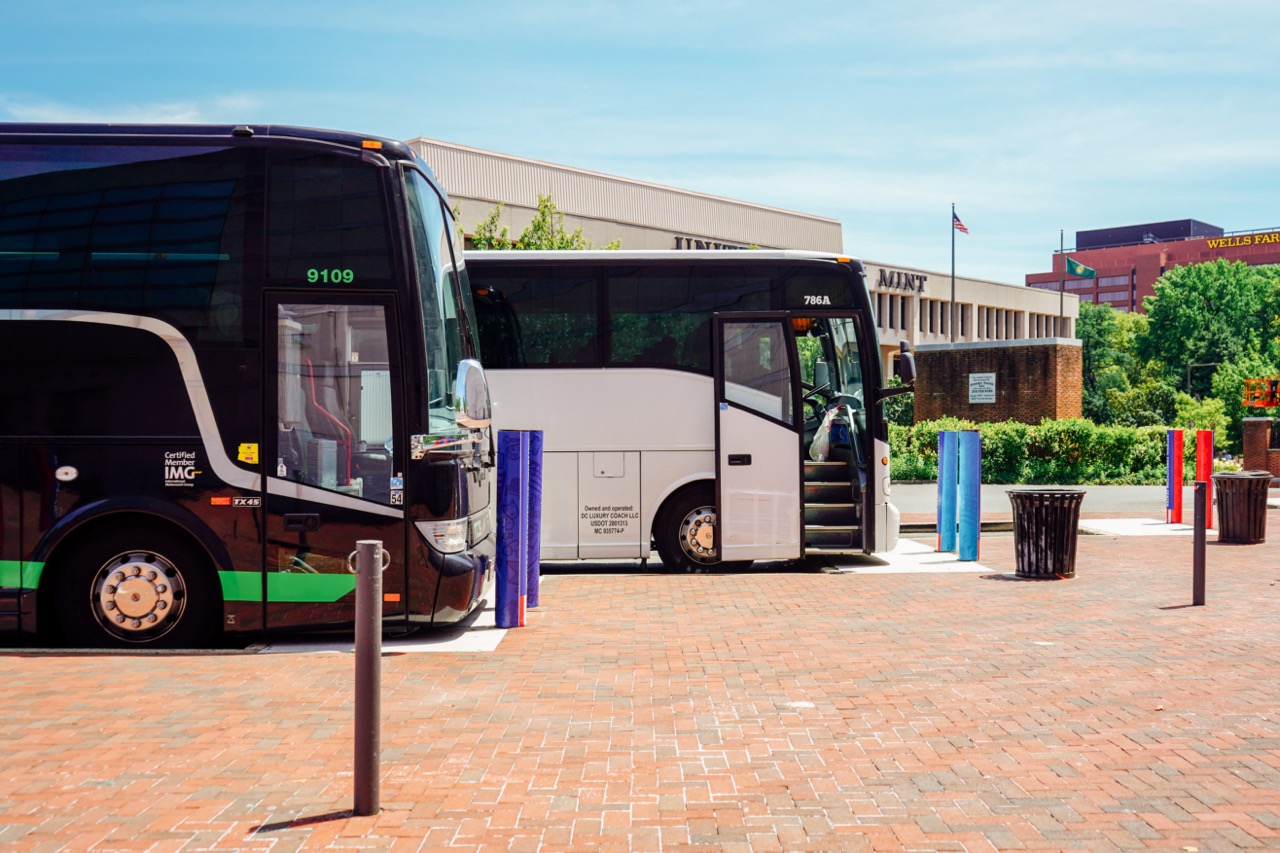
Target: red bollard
x=1204, y=468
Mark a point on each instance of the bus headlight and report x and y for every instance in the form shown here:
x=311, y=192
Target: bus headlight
x=456, y=534
x=447, y=537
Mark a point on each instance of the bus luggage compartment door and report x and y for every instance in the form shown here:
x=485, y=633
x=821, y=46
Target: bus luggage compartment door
x=758, y=439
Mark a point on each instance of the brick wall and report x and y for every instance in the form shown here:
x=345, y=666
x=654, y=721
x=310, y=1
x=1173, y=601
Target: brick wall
x=1257, y=441
x=1034, y=379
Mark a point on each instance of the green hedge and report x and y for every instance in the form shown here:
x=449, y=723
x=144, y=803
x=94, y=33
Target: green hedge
x=1066, y=452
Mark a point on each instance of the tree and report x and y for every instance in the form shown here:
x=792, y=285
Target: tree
x=546, y=231
x=1151, y=401
x=1228, y=387
x=1096, y=327
x=1209, y=314
x=1109, y=342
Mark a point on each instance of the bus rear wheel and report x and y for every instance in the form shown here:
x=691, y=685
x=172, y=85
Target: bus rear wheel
x=686, y=534
x=137, y=587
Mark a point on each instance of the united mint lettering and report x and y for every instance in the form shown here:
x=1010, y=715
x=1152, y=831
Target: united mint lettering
x=900, y=280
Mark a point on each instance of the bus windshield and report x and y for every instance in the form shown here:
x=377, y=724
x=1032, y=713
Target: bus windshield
x=438, y=286
x=846, y=378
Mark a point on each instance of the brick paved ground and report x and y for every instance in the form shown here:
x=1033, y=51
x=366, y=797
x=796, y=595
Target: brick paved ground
x=777, y=710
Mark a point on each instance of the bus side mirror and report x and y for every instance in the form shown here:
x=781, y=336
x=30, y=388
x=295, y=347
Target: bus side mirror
x=821, y=374
x=471, y=395
x=907, y=364
x=906, y=372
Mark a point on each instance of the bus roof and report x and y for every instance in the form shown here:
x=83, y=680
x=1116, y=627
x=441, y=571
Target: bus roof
x=695, y=255
x=224, y=133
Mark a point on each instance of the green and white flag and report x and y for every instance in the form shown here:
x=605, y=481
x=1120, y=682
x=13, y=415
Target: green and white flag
x=1075, y=269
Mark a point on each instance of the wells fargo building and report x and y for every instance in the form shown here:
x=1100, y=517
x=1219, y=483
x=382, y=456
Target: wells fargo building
x=1129, y=260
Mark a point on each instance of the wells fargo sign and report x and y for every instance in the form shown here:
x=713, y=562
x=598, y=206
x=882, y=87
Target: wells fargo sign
x=1244, y=240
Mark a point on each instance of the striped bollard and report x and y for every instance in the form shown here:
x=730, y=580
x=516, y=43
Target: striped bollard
x=1173, y=468
x=947, y=461
x=970, y=493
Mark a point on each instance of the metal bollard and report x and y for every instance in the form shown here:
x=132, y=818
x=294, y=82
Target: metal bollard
x=369, y=568
x=969, y=491
x=948, y=473
x=1197, y=550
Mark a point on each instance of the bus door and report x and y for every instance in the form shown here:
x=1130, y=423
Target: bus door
x=758, y=437
x=839, y=468
x=335, y=456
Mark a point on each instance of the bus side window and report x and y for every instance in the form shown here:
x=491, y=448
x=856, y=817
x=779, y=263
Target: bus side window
x=756, y=373
x=661, y=316
x=552, y=315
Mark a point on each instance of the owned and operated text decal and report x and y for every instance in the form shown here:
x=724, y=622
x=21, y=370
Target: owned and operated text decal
x=609, y=520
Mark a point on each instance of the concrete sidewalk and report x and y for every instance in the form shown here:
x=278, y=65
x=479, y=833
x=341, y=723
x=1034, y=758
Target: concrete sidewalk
x=785, y=708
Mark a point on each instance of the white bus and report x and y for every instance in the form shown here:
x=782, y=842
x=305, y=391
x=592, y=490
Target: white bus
x=680, y=395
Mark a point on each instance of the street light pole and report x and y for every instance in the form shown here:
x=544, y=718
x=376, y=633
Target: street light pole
x=1201, y=364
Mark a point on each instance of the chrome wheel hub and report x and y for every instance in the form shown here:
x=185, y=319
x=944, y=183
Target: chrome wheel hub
x=138, y=595
x=698, y=535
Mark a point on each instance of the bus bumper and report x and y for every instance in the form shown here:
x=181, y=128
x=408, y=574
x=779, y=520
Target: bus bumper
x=889, y=524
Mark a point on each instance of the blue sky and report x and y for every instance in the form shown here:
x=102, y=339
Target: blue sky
x=1030, y=116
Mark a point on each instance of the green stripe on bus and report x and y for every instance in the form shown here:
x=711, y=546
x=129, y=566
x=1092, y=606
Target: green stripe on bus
x=295, y=587
x=20, y=574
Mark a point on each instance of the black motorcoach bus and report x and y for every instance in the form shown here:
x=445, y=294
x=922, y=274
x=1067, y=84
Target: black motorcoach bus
x=229, y=353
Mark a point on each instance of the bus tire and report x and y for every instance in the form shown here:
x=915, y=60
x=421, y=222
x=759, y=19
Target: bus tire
x=685, y=532
x=130, y=586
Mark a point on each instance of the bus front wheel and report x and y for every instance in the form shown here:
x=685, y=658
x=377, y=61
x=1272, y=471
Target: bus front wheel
x=686, y=533
x=137, y=587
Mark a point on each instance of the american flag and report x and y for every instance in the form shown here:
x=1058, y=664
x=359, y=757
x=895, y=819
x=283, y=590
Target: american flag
x=957, y=224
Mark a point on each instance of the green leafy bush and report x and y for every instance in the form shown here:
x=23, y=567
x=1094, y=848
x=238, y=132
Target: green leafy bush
x=1064, y=452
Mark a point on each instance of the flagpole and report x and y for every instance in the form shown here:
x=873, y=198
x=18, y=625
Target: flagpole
x=952, y=324
x=1062, y=283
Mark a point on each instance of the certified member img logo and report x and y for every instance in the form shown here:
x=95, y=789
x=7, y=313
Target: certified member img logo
x=180, y=468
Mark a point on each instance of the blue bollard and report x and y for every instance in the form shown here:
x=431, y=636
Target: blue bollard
x=513, y=529
x=970, y=493
x=947, y=461
x=534, y=535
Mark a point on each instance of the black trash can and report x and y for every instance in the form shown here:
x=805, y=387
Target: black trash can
x=1242, y=505
x=1045, y=525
